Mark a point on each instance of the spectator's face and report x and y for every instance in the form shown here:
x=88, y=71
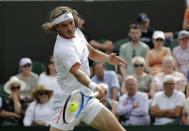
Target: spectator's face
x=169, y=87
x=158, y=42
x=99, y=70
x=184, y=42
x=168, y=65
x=138, y=67
x=134, y=34
x=43, y=97
x=66, y=28
x=144, y=25
x=51, y=65
x=131, y=87
x=26, y=68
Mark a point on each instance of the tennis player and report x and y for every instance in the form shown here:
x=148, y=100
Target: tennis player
x=71, y=53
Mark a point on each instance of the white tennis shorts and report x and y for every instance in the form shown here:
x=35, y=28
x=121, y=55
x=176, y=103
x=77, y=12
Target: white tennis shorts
x=89, y=112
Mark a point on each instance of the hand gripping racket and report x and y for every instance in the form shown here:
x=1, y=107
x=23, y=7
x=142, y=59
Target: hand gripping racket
x=74, y=104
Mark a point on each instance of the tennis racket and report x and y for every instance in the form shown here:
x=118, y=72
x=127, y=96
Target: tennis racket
x=74, y=104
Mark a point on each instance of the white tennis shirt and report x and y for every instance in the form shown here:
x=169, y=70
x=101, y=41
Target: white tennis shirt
x=67, y=52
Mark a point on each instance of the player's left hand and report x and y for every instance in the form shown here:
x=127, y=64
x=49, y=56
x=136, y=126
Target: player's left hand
x=116, y=60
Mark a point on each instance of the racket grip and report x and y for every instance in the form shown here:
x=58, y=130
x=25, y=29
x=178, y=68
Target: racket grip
x=95, y=94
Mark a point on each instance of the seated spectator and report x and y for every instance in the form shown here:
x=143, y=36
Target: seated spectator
x=40, y=111
x=48, y=78
x=155, y=56
x=133, y=106
x=107, y=102
x=13, y=108
x=185, y=114
x=133, y=48
x=168, y=68
x=144, y=24
x=30, y=78
x=108, y=77
x=181, y=52
x=144, y=79
x=167, y=105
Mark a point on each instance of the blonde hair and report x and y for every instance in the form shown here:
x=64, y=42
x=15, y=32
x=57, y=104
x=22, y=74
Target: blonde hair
x=139, y=59
x=51, y=27
x=168, y=58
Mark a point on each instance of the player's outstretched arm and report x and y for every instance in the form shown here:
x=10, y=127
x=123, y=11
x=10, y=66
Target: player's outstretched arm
x=99, y=56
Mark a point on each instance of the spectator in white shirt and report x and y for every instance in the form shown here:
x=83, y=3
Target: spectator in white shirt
x=40, y=111
x=167, y=105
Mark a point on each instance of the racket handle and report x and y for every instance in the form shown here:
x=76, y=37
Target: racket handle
x=95, y=94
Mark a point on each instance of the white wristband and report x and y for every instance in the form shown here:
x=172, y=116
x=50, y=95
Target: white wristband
x=92, y=85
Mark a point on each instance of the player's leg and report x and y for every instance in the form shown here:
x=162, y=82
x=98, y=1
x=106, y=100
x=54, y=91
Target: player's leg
x=106, y=121
x=54, y=129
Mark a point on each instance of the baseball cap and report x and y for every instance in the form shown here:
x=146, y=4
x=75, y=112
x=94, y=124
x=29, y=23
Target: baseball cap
x=24, y=61
x=182, y=34
x=142, y=17
x=168, y=78
x=158, y=34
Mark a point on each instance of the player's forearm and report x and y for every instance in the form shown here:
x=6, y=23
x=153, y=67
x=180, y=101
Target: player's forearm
x=97, y=56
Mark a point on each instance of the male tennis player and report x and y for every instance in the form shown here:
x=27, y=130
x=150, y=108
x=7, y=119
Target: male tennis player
x=71, y=53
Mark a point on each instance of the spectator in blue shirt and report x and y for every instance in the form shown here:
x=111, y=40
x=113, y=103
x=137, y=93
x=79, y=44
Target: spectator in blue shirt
x=108, y=77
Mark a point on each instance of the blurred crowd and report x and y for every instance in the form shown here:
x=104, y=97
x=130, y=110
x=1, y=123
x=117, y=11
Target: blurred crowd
x=152, y=89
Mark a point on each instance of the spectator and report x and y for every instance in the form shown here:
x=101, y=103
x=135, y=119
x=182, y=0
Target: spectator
x=185, y=24
x=107, y=102
x=133, y=106
x=30, y=78
x=185, y=114
x=132, y=48
x=155, y=56
x=168, y=68
x=108, y=77
x=48, y=78
x=13, y=109
x=144, y=24
x=40, y=111
x=144, y=79
x=181, y=52
x=167, y=105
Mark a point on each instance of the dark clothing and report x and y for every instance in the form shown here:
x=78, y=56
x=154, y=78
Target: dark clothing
x=8, y=105
x=146, y=37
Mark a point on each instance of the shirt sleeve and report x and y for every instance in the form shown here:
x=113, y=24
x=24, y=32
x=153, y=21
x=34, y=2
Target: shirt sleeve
x=123, y=109
x=142, y=108
x=68, y=58
x=180, y=99
x=114, y=80
x=155, y=100
x=28, y=118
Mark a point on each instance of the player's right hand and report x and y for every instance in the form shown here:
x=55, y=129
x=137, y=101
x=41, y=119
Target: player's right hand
x=101, y=92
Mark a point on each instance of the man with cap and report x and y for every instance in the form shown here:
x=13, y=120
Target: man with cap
x=26, y=75
x=167, y=105
x=181, y=52
x=144, y=23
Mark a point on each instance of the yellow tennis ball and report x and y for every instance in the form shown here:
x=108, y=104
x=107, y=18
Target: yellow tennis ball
x=73, y=107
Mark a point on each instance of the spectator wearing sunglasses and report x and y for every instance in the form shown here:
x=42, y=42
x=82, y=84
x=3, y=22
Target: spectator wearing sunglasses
x=14, y=106
x=168, y=69
x=48, y=78
x=144, y=80
x=133, y=48
x=40, y=111
x=155, y=56
x=26, y=75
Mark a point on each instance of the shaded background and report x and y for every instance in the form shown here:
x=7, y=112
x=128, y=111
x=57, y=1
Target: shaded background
x=21, y=34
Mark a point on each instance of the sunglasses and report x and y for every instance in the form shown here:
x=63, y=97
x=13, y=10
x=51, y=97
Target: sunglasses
x=14, y=88
x=51, y=62
x=159, y=39
x=26, y=65
x=43, y=93
x=138, y=65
